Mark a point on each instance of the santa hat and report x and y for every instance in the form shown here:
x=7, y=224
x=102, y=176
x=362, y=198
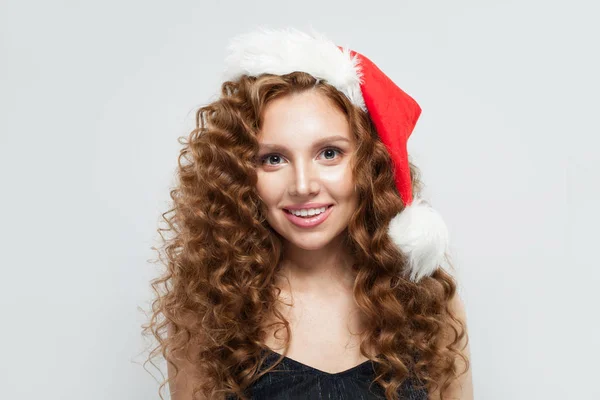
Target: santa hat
x=418, y=231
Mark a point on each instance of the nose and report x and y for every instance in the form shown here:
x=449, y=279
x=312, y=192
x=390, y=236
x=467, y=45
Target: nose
x=305, y=181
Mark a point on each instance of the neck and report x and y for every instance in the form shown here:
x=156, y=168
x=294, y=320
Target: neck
x=325, y=271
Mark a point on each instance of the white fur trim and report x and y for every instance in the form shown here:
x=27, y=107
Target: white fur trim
x=284, y=51
x=421, y=234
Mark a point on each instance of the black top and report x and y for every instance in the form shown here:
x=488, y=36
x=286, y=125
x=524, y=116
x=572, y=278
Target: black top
x=292, y=380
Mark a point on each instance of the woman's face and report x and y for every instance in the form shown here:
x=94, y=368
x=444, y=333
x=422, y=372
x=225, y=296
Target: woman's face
x=306, y=145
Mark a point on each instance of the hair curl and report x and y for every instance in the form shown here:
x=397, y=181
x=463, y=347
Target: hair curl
x=222, y=257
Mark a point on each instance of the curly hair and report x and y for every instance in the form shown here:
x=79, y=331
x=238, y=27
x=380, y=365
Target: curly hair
x=221, y=259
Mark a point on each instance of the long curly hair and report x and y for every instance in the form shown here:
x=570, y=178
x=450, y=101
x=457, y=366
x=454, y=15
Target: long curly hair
x=221, y=256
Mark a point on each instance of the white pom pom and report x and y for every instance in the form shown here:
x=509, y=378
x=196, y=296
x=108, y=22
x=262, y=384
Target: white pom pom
x=421, y=234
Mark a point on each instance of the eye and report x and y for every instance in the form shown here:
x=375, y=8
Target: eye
x=278, y=157
x=334, y=149
x=267, y=157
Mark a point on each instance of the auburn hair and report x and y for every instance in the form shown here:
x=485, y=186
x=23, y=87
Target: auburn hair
x=221, y=257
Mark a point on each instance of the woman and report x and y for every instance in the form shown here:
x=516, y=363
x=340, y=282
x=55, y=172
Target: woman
x=302, y=263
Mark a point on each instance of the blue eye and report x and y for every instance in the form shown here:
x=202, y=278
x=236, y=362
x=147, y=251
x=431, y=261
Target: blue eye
x=331, y=149
x=265, y=158
x=268, y=156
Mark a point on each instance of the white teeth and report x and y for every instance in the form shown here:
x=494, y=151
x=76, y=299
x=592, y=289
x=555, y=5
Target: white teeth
x=308, y=212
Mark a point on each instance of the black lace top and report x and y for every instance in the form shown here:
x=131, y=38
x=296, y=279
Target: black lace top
x=292, y=380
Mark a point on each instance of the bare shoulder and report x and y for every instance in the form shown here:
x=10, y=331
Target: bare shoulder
x=461, y=388
x=181, y=386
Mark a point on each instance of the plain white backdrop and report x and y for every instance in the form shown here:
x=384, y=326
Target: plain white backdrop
x=93, y=96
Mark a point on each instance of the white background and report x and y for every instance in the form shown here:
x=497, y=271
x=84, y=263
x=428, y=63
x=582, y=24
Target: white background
x=93, y=96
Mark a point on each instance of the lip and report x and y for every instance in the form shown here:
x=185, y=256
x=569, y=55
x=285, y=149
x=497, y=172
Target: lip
x=308, y=222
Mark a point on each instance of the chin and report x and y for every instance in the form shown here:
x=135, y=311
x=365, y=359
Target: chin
x=310, y=245
x=310, y=242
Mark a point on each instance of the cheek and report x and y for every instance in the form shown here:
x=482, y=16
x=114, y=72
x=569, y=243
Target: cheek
x=268, y=189
x=340, y=181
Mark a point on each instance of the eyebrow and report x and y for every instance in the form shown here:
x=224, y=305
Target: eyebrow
x=316, y=144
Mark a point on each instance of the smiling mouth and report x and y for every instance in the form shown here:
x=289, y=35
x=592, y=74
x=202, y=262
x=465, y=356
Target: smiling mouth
x=309, y=216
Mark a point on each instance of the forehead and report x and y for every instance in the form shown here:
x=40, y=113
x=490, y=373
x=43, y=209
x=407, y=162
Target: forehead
x=307, y=116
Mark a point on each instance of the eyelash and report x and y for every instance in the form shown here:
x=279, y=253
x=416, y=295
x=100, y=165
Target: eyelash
x=266, y=156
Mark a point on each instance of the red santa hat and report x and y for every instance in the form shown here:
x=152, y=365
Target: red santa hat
x=418, y=231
